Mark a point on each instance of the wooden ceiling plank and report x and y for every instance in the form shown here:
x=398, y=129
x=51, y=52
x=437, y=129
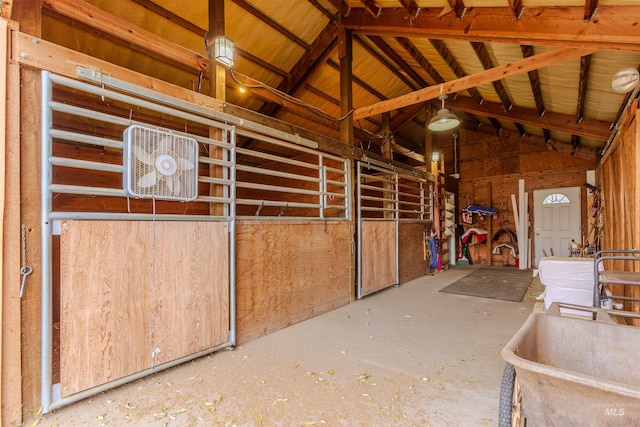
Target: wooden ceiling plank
x=483, y=55
x=273, y=24
x=411, y=7
x=534, y=80
x=446, y=54
x=420, y=58
x=590, y=128
x=585, y=66
x=590, y=9
x=397, y=59
x=342, y=7
x=615, y=29
x=516, y=7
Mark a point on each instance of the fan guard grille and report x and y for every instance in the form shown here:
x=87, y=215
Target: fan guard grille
x=159, y=164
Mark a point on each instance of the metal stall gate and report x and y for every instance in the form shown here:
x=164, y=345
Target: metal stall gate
x=386, y=198
x=138, y=221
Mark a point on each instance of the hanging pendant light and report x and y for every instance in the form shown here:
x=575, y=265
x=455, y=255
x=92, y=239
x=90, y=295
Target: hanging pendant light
x=444, y=120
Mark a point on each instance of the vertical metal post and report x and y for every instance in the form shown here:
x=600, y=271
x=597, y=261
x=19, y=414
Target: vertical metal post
x=397, y=224
x=46, y=261
x=359, y=225
x=232, y=241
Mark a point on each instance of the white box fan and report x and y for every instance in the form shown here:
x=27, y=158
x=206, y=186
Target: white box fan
x=159, y=164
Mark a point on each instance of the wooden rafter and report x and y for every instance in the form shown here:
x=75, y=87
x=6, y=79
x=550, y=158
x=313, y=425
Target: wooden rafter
x=273, y=24
x=483, y=55
x=397, y=59
x=371, y=7
x=550, y=26
x=342, y=7
x=516, y=7
x=420, y=58
x=446, y=54
x=590, y=128
x=585, y=66
x=590, y=9
x=485, y=59
x=303, y=70
x=392, y=67
x=503, y=71
x=322, y=9
x=458, y=7
x=534, y=80
x=411, y=7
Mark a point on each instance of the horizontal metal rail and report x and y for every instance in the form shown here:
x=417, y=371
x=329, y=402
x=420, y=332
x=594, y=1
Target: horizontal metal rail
x=278, y=174
x=85, y=164
x=107, y=216
x=261, y=155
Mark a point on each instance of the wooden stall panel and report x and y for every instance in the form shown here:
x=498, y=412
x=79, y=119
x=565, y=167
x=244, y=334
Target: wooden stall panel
x=114, y=273
x=412, y=262
x=288, y=272
x=378, y=255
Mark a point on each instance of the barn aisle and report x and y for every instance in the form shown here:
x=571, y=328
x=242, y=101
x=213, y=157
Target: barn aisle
x=407, y=356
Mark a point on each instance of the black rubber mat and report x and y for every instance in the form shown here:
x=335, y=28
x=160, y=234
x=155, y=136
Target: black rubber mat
x=505, y=283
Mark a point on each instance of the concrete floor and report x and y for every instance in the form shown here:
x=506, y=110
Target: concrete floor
x=406, y=356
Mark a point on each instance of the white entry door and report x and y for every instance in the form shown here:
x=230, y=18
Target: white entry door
x=556, y=218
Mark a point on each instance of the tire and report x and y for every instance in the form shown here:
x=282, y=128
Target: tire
x=510, y=400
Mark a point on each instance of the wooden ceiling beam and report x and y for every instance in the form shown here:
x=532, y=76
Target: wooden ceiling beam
x=397, y=59
x=590, y=9
x=503, y=71
x=420, y=59
x=273, y=24
x=342, y=7
x=448, y=57
x=590, y=128
x=325, y=12
x=411, y=7
x=458, y=8
x=615, y=29
x=516, y=7
x=386, y=62
x=371, y=7
x=487, y=63
x=585, y=66
x=534, y=80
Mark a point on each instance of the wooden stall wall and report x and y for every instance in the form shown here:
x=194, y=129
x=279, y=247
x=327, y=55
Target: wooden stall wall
x=131, y=286
x=290, y=271
x=411, y=245
x=620, y=186
x=501, y=161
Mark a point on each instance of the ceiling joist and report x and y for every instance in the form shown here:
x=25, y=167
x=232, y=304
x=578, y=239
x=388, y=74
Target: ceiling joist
x=615, y=29
x=500, y=72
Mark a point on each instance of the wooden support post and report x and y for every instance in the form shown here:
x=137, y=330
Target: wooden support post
x=10, y=349
x=345, y=53
x=29, y=14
